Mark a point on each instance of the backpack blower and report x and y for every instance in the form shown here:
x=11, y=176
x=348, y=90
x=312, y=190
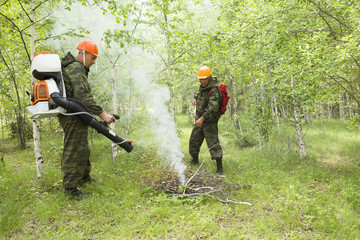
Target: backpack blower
x=48, y=98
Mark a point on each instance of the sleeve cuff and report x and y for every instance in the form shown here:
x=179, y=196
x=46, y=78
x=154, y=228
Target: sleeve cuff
x=205, y=115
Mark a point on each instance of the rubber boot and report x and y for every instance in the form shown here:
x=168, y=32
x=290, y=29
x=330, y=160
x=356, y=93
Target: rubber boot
x=219, y=168
x=75, y=193
x=195, y=160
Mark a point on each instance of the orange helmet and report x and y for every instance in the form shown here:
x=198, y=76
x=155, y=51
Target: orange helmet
x=204, y=72
x=88, y=46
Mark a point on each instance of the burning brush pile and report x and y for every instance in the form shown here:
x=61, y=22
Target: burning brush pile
x=196, y=185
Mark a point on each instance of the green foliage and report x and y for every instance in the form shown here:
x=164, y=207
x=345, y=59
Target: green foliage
x=242, y=139
x=14, y=130
x=312, y=198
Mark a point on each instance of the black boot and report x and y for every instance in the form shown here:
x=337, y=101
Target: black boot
x=75, y=193
x=219, y=168
x=195, y=160
x=88, y=179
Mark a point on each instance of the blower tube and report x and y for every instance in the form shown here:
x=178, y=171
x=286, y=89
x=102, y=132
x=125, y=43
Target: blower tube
x=89, y=120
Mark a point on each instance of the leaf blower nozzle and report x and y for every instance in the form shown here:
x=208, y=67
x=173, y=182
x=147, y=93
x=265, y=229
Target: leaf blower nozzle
x=88, y=119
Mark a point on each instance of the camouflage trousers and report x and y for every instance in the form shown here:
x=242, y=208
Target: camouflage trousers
x=209, y=131
x=75, y=163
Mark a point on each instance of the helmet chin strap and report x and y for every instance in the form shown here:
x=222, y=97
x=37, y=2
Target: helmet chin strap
x=83, y=52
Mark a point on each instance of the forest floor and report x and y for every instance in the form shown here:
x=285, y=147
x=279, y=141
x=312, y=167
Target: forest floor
x=317, y=197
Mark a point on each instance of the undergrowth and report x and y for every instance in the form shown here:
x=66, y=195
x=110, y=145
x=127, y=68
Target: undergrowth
x=312, y=198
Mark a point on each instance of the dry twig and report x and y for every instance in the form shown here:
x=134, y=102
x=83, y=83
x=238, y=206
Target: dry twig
x=199, y=184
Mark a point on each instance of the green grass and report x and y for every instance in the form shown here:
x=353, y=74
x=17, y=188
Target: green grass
x=313, y=198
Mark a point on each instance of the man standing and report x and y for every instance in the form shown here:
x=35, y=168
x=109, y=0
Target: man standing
x=207, y=102
x=75, y=163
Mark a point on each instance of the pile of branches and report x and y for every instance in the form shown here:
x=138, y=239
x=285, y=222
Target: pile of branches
x=196, y=185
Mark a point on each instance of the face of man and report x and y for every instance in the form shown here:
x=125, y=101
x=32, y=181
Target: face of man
x=89, y=59
x=204, y=81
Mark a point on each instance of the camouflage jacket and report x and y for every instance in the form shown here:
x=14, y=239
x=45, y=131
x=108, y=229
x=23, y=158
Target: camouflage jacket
x=209, y=106
x=75, y=76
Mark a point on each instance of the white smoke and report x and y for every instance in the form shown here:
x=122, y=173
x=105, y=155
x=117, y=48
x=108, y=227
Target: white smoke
x=162, y=125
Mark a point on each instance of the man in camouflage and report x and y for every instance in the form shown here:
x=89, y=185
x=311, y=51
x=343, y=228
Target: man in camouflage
x=207, y=102
x=75, y=163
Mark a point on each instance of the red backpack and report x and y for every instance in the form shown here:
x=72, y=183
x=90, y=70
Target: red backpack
x=225, y=98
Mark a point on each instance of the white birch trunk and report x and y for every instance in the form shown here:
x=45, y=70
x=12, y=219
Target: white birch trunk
x=322, y=109
x=299, y=132
x=283, y=110
x=36, y=130
x=276, y=115
x=307, y=118
x=168, y=63
x=256, y=101
x=341, y=107
x=129, y=114
x=350, y=110
x=171, y=91
x=114, y=152
x=172, y=105
x=298, y=126
x=2, y=137
x=272, y=110
x=259, y=138
x=330, y=111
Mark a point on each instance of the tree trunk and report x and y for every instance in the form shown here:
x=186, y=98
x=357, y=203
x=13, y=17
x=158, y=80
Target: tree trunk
x=257, y=102
x=276, y=114
x=307, y=117
x=20, y=128
x=283, y=112
x=114, y=152
x=2, y=137
x=323, y=112
x=330, y=110
x=184, y=105
x=172, y=106
x=36, y=130
x=129, y=114
x=234, y=104
x=298, y=125
x=259, y=137
x=168, y=64
x=299, y=132
x=341, y=107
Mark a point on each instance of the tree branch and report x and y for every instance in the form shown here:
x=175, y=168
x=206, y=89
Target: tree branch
x=13, y=77
x=21, y=35
x=132, y=32
x=35, y=22
x=22, y=7
x=186, y=51
x=329, y=26
x=41, y=3
x=342, y=86
x=327, y=13
x=4, y=3
x=179, y=56
x=356, y=61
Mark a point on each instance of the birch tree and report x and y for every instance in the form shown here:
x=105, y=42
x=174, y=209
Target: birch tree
x=36, y=130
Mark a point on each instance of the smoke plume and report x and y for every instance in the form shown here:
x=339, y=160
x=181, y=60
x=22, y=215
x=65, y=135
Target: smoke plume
x=162, y=126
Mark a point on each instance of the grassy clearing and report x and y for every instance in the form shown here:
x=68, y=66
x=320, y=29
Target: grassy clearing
x=313, y=198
